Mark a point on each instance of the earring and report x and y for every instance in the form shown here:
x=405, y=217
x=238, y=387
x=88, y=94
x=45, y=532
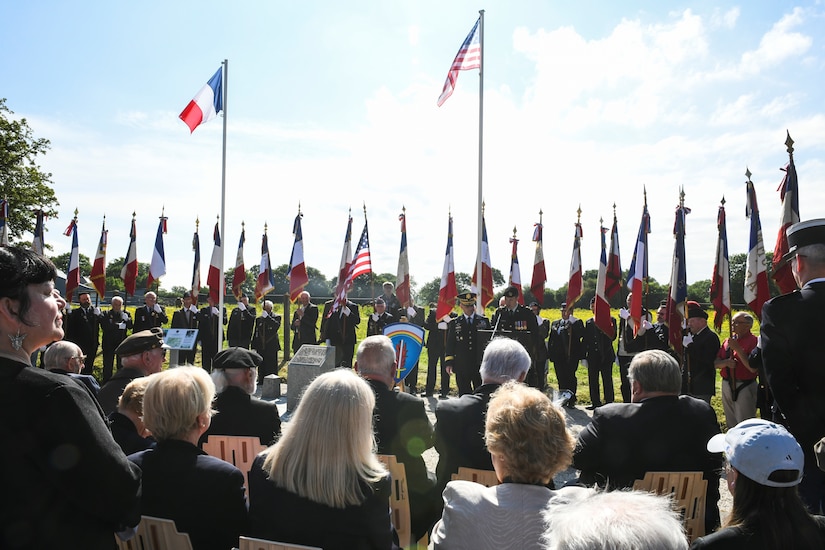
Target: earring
x=17, y=341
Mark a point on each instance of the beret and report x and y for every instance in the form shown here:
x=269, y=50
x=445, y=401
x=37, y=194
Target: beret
x=696, y=310
x=139, y=342
x=236, y=358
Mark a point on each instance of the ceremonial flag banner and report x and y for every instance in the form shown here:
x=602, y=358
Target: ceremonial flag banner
x=720, y=283
x=447, y=291
x=757, y=291
x=239, y=276
x=129, y=270
x=361, y=265
x=789, y=194
x=539, y=272
x=297, y=273
x=266, y=278
x=157, y=268
x=468, y=57
x=637, y=273
x=515, y=272
x=73, y=270
x=486, y=269
x=38, y=241
x=343, y=270
x=196, y=267
x=213, y=278
x=677, y=294
x=4, y=222
x=601, y=309
x=206, y=105
x=576, y=281
x=613, y=280
x=98, y=275
x=402, y=278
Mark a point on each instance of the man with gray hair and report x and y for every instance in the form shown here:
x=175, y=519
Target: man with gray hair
x=459, y=428
x=659, y=431
x=401, y=428
x=265, y=340
x=64, y=357
x=115, y=324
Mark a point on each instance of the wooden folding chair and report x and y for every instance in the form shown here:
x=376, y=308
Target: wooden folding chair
x=248, y=543
x=687, y=491
x=400, y=499
x=155, y=534
x=239, y=451
x=487, y=478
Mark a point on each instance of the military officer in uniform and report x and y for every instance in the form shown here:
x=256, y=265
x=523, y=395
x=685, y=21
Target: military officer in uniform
x=389, y=297
x=150, y=314
x=516, y=321
x=304, y=321
x=187, y=318
x=463, y=353
x=114, y=323
x=265, y=341
x=241, y=324
x=379, y=319
x=436, y=345
x=338, y=329
x=541, y=352
x=565, y=349
x=600, y=356
x=208, y=328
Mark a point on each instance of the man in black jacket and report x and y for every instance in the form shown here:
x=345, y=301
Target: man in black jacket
x=83, y=328
x=463, y=355
x=304, y=322
x=701, y=348
x=186, y=317
x=565, y=348
x=338, y=329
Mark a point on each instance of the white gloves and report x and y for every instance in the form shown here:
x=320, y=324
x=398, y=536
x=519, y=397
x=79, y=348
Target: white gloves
x=442, y=325
x=539, y=319
x=584, y=363
x=687, y=340
x=124, y=316
x=215, y=311
x=157, y=308
x=264, y=314
x=68, y=307
x=193, y=309
x=375, y=317
x=624, y=314
x=411, y=312
x=121, y=326
x=346, y=311
x=647, y=325
x=241, y=306
x=96, y=311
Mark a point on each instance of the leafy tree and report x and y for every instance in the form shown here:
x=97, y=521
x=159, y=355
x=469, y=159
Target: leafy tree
x=22, y=181
x=114, y=282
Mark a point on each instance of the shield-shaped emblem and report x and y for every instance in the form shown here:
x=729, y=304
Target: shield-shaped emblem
x=408, y=339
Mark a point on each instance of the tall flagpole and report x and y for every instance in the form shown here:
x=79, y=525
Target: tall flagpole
x=221, y=279
x=479, y=277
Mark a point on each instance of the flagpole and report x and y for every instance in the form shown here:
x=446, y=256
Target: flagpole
x=221, y=279
x=479, y=278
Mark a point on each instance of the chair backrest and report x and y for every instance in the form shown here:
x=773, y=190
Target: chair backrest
x=400, y=499
x=239, y=451
x=487, y=478
x=248, y=543
x=155, y=534
x=687, y=491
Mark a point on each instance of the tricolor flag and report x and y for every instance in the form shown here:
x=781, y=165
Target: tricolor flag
x=402, y=279
x=361, y=264
x=98, y=275
x=213, y=278
x=486, y=294
x=677, y=293
x=447, y=292
x=601, y=310
x=239, y=276
x=39, y=241
x=73, y=270
x=4, y=222
x=157, y=268
x=613, y=279
x=637, y=273
x=266, y=278
x=343, y=270
x=129, y=271
x=720, y=283
x=576, y=281
x=196, y=266
x=757, y=291
x=297, y=274
x=539, y=273
x=206, y=105
x=468, y=57
x=515, y=272
x=789, y=194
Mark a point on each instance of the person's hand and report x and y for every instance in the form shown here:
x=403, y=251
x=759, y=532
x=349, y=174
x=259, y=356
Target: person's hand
x=346, y=311
x=157, y=308
x=411, y=312
x=193, y=309
x=442, y=325
x=647, y=325
x=215, y=311
x=121, y=326
x=124, y=316
x=584, y=363
x=264, y=314
x=624, y=314
x=736, y=346
x=687, y=340
x=375, y=317
x=68, y=307
x=241, y=306
x=96, y=310
x=449, y=370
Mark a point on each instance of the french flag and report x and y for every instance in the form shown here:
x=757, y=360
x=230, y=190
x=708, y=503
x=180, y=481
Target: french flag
x=601, y=309
x=157, y=268
x=637, y=273
x=73, y=272
x=720, y=283
x=213, y=279
x=486, y=293
x=539, y=273
x=515, y=271
x=206, y=105
x=402, y=278
x=757, y=291
x=297, y=274
x=266, y=279
x=576, y=281
x=447, y=291
x=677, y=293
x=789, y=194
x=130, y=264
x=239, y=276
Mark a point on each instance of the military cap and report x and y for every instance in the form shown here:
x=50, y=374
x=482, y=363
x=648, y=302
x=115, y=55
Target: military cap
x=139, y=342
x=236, y=358
x=467, y=298
x=187, y=294
x=563, y=305
x=511, y=292
x=696, y=310
x=803, y=234
x=380, y=301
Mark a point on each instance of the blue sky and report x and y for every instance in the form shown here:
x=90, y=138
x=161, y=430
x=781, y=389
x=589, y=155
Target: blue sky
x=333, y=105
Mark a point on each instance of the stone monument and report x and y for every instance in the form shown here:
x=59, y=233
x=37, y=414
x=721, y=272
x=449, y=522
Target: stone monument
x=304, y=367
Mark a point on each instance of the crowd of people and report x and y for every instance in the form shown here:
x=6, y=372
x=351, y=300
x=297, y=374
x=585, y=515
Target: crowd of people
x=82, y=461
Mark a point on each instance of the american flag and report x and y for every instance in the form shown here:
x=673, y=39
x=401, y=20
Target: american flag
x=361, y=265
x=468, y=57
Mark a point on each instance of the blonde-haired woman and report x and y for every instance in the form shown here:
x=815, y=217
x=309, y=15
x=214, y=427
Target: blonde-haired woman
x=202, y=494
x=321, y=483
x=529, y=443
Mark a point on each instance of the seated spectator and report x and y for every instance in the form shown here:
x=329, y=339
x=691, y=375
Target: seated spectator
x=141, y=354
x=203, y=495
x=64, y=357
x=617, y=520
x=126, y=422
x=238, y=411
x=529, y=443
x=321, y=483
x=765, y=466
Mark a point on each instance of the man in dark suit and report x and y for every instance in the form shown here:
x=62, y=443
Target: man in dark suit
x=266, y=342
x=647, y=337
x=701, y=348
x=208, y=327
x=304, y=322
x=338, y=329
x=83, y=328
x=401, y=428
x=241, y=324
x=660, y=431
x=115, y=324
x=389, y=297
x=600, y=356
x=516, y=321
x=235, y=372
x=379, y=318
x=793, y=332
x=565, y=348
x=142, y=354
x=463, y=353
x=459, y=427
x=416, y=316
x=150, y=314
x=187, y=318
x=436, y=346
x=540, y=360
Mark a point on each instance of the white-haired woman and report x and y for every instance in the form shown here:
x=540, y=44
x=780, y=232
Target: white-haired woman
x=203, y=495
x=321, y=484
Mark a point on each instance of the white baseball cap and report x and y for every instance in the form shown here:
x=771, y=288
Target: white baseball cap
x=757, y=448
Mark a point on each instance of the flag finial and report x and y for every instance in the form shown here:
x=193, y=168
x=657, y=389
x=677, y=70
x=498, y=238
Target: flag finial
x=197, y=223
x=162, y=211
x=579, y=215
x=243, y=225
x=514, y=232
x=789, y=144
x=748, y=173
x=601, y=220
x=265, y=227
x=723, y=200
x=75, y=214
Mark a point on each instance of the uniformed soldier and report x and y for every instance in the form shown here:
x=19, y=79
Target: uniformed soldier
x=265, y=340
x=515, y=321
x=463, y=354
x=379, y=319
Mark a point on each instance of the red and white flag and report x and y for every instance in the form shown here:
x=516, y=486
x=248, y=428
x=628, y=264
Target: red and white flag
x=361, y=264
x=576, y=281
x=98, y=275
x=757, y=291
x=402, y=279
x=613, y=279
x=129, y=271
x=297, y=274
x=73, y=271
x=601, y=310
x=637, y=273
x=266, y=278
x=789, y=194
x=515, y=272
x=677, y=292
x=720, y=283
x=157, y=268
x=343, y=270
x=239, y=276
x=486, y=293
x=468, y=57
x=206, y=105
x=539, y=272
x=448, y=291
x=213, y=278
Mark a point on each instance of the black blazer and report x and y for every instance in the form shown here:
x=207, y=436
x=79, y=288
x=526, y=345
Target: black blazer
x=700, y=357
x=242, y=414
x=338, y=328
x=110, y=391
x=277, y=514
x=203, y=495
x=146, y=318
x=304, y=329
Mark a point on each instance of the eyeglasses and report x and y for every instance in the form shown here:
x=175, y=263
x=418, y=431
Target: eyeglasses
x=80, y=358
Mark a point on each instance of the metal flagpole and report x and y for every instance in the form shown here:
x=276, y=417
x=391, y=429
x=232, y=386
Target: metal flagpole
x=221, y=280
x=479, y=273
